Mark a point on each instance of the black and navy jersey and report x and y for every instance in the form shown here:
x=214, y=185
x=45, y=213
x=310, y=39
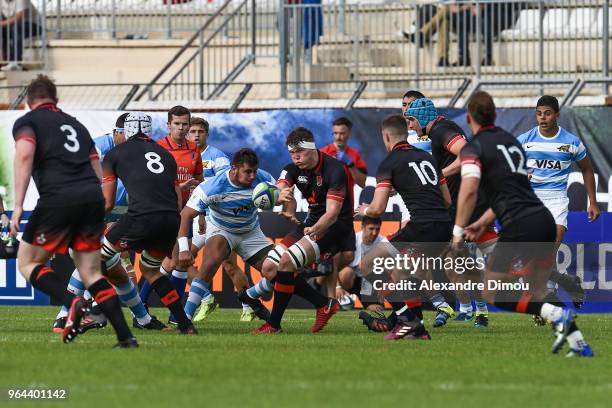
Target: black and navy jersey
x=414, y=174
x=62, y=168
x=330, y=179
x=500, y=160
x=148, y=173
x=444, y=133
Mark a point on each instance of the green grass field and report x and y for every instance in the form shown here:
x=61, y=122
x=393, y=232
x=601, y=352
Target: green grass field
x=508, y=364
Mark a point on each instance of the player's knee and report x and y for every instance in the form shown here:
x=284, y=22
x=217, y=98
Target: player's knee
x=109, y=251
x=112, y=262
x=268, y=269
x=286, y=263
x=117, y=275
x=346, y=277
x=275, y=254
x=149, y=261
x=294, y=258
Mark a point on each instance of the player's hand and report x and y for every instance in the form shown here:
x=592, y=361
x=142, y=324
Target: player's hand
x=361, y=209
x=189, y=184
x=286, y=195
x=185, y=259
x=290, y=217
x=312, y=232
x=456, y=248
x=15, y=219
x=4, y=221
x=593, y=212
x=340, y=292
x=473, y=231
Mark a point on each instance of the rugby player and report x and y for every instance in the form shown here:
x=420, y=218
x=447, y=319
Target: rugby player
x=190, y=173
x=328, y=228
x=58, y=152
x=149, y=175
x=550, y=151
x=232, y=225
x=414, y=174
x=495, y=159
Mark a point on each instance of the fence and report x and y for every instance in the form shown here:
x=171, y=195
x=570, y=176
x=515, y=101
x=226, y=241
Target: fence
x=433, y=45
x=23, y=35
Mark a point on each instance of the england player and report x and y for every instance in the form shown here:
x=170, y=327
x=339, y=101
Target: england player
x=447, y=139
x=232, y=225
x=414, y=174
x=214, y=161
x=496, y=160
x=58, y=152
x=324, y=181
x=149, y=174
x=550, y=151
x=126, y=288
x=190, y=173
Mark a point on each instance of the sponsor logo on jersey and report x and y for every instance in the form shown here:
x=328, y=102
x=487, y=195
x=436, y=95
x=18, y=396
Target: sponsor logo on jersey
x=40, y=240
x=548, y=164
x=302, y=179
x=423, y=138
x=207, y=164
x=564, y=148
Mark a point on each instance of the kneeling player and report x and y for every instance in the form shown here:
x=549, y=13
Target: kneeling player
x=149, y=174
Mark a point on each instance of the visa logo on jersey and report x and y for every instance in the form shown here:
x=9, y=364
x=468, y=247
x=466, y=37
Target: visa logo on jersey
x=548, y=164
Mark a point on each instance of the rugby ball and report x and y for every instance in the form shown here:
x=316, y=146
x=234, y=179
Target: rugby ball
x=265, y=195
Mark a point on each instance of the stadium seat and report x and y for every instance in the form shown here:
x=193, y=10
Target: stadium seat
x=556, y=22
x=600, y=21
x=527, y=26
x=582, y=22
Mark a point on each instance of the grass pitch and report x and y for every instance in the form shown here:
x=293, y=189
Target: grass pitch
x=508, y=364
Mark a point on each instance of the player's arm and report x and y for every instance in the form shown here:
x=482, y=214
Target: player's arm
x=589, y=183
x=379, y=202
x=25, y=149
x=359, y=175
x=109, y=182
x=468, y=192
x=445, y=194
x=333, y=207
x=454, y=146
x=185, y=256
x=94, y=159
x=285, y=187
x=475, y=230
x=179, y=195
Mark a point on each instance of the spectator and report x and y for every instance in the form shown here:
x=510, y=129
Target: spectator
x=440, y=23
x=19, y=21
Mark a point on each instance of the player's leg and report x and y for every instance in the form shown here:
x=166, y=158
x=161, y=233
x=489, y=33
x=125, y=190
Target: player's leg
x=88, y=264
x=217, y=249
x=239, y=280
x=128, y=294
x=77, y=288
x=165, y=269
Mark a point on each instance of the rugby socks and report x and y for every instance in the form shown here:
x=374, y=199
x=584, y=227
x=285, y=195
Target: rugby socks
x=145, y=290
x=481, y=307
x=199, y=291
x=405, y=312
x=259, y=289
x=45, y=279
x=416, y=307
x=304, y=290
x=106, y=298
x=164, y=288
x=466, y=308
x=438, y=301
x=179, y=280
x=507, y=300
x=129, y=296
x=76, y=287
x=283, y=290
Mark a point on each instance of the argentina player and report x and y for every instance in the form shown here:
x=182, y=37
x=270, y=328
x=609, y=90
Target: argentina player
x=232, y=225
x=550, y=151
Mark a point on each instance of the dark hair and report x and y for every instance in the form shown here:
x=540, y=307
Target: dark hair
x=396, y=124
x=42, y=87
x=365, y=220
x=482, y=108
x=199, y=122
x=178, y=110
x=342, y=121
x=298, y=135
x=245, y=156
x=413, y=93
x=121, y=120
x=549, y=101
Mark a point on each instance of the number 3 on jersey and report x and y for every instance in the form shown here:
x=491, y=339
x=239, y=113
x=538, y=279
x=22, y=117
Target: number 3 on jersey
x=154, y=163
x=72, y=145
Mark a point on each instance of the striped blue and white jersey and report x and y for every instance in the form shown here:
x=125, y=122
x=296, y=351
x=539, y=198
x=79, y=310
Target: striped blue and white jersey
x=549, y=159
x=230, y=207
x=214, y=161
x=423, y=143
x=104, y=144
